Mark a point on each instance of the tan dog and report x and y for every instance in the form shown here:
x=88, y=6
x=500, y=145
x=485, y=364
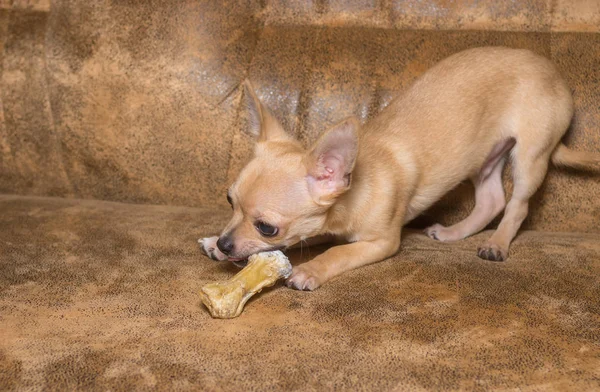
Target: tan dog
x=460, y=120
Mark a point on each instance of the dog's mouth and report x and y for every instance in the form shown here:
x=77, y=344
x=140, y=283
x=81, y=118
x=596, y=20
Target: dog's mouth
x=241, y=262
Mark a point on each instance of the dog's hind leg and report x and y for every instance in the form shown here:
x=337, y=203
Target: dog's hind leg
x=529, y=170
x=489, y=198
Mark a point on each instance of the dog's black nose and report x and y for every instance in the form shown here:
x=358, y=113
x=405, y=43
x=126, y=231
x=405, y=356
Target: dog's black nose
x=225, y=244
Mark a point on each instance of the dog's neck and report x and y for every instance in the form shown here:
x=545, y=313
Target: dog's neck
x=348, y=215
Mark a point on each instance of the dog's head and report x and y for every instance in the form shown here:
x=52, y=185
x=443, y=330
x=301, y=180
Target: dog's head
x=283, y=194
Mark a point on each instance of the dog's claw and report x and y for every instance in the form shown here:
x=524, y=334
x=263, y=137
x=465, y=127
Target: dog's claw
x=491, y=252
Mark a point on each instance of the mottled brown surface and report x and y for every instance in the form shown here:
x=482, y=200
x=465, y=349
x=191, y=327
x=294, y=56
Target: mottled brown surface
x=140, y=101
x=99, y=295
x=521, y=15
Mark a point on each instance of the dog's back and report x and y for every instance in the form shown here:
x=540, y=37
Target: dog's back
x=451, y=118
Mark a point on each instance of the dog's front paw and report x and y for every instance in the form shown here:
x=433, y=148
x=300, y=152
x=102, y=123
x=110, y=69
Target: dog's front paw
x=209, y=247
x=305, y=277
x=492, y=252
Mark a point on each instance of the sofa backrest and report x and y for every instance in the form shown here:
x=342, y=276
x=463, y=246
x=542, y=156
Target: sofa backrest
x=140, y=101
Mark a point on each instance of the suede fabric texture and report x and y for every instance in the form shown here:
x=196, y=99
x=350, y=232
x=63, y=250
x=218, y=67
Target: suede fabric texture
x=104, y=296
x=140, y=101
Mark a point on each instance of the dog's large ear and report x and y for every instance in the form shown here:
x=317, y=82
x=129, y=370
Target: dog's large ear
x=330, y=161
x=261, y=123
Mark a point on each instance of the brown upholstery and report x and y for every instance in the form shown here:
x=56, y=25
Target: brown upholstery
x=99, y=295
x=139, y=102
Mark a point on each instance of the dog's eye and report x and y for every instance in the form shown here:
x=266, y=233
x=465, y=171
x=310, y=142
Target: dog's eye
x=266, y=229
x=229, y=200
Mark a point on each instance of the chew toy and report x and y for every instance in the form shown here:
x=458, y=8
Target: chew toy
x=227, y=299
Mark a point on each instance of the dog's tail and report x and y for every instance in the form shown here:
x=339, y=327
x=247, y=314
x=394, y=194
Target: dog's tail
x=564, y=156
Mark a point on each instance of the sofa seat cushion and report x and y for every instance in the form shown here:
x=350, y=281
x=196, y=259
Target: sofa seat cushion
x=101, y=295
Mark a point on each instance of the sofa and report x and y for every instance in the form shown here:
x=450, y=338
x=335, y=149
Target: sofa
x=121, y=127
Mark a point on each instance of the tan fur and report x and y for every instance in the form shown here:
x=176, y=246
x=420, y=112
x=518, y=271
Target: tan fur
x=460, y=120
x=583, y=160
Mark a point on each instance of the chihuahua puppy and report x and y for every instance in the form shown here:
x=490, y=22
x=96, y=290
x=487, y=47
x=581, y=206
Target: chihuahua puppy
x=460, y=120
